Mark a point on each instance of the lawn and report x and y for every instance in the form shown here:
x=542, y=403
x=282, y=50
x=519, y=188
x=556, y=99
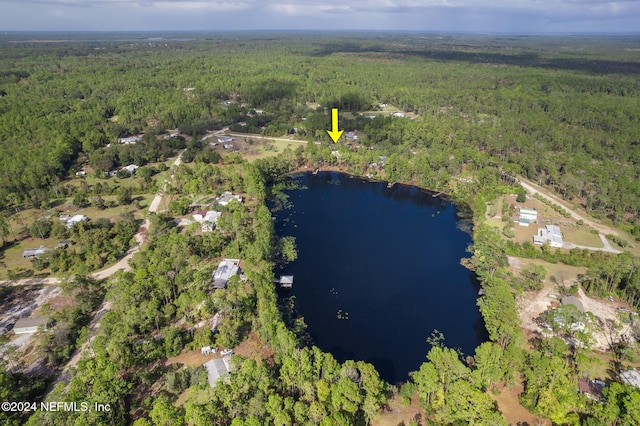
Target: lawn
x=12, y=257
x=581, y=235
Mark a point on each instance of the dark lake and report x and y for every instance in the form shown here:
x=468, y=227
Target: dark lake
x=378, y=270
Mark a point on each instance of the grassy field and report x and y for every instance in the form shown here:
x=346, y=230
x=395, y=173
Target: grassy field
x=277, y=148
x=568, y=273
x=12, y=257
x=581, y=235
x=20, y=223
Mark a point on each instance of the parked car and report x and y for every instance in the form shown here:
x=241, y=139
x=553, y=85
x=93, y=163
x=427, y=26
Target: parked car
x=226, y=352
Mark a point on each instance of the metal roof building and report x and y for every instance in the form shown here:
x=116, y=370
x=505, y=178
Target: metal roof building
x=631, y=377
x=29, y=325
x=549, y=233
x=31, y=253
x=226, y=269
x=216, y=368
x=227, y=197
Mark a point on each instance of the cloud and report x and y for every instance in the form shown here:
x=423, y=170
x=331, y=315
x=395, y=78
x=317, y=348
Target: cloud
x=426, y=15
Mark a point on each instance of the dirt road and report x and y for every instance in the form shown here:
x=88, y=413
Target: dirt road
x=65, y=374
x=602, y=229
x=535, y=189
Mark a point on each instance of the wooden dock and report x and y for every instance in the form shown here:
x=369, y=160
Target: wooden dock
x=438, y=194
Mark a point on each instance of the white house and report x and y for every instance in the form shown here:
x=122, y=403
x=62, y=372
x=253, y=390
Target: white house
x=549, y=233
x=208, y=220
x=225, y=139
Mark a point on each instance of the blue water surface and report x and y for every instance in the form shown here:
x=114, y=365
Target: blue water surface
x=378, y=270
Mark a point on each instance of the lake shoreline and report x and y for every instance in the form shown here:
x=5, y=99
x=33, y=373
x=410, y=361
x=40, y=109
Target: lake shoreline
x=356, y=299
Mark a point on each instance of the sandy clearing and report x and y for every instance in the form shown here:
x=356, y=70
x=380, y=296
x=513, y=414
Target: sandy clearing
x=604, y=331
x=22, y=341
x=510, y=407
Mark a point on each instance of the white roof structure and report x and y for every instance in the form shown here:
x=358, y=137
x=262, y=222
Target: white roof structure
x=131, y=168
x=631, y=377
x=226, y=269
x=216, y=368
x=76, y=219
x=226, y=198
x=549, y=233
x=208, y=220
x=30, y=253
x=225, y=139
x=130, y=140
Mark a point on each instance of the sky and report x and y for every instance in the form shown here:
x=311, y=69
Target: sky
x=486, y=16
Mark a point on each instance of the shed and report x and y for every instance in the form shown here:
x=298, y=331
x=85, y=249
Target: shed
x=225, y=139
x=29, y=325
x=572, y=300
x=216, y=368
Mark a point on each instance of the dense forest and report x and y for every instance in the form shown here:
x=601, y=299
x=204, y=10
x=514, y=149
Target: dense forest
x=560, y=111
x=476, y=112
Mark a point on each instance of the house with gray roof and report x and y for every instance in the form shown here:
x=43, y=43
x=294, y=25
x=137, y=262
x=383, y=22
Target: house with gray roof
x=217, y=368
x=549, y=233
x=631, y=377
x=572, y=300
x=226, y=269
x=31, y=253
x=227, y=197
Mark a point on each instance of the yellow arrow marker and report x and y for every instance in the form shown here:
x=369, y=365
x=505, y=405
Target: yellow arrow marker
x=334, y=133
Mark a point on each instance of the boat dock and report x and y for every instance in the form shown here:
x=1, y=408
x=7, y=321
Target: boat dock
x=286, y=281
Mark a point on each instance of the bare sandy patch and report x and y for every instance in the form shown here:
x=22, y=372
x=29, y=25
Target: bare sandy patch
x=607, y=328
x=395, y=413
x=510, y=407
